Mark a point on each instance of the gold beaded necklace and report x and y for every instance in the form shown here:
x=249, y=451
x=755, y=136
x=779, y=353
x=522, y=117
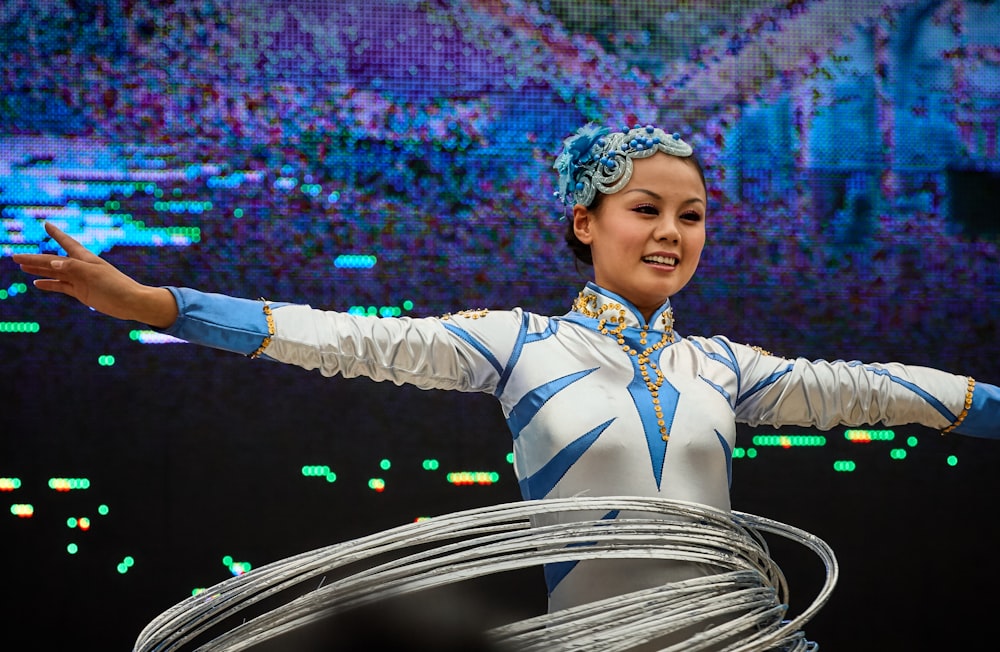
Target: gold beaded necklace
x=587, y=306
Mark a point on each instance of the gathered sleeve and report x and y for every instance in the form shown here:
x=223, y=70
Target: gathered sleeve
x=824, y=394
x=430, y=352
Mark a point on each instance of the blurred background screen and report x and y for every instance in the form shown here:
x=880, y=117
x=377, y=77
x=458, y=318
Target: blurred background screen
x=394, y=158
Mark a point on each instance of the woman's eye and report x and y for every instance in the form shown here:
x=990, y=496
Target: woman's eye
x=647, y=209
x=691, y=217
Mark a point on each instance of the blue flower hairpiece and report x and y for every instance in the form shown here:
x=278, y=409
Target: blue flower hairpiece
x=597, y=159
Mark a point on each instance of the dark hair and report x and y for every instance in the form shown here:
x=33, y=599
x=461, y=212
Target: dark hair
x=582, y=251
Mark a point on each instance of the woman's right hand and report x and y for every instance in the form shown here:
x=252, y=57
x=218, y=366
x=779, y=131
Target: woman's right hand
x=97, y=283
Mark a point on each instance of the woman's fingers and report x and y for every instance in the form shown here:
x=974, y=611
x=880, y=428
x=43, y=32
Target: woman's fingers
x=80, y=274
x=36, y=268
x=73, y=248
x=57, y=274
x=36, y=263
x=45, y=265
x=48, y=264
x=54, y=285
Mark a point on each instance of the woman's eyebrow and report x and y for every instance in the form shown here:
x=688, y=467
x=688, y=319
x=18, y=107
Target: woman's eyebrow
x=643, y=190
x=656, y=195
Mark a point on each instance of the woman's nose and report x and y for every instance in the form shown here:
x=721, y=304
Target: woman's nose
x=666, y=230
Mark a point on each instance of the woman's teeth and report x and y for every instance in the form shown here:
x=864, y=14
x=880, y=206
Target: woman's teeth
x=661, y=260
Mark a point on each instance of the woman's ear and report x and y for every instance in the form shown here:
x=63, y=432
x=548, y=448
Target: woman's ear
x=581, y=223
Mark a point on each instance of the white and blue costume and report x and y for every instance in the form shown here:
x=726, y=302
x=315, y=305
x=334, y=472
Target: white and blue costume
x=600, y=401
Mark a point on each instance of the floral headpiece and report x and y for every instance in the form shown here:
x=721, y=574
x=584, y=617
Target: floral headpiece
x=597, y=159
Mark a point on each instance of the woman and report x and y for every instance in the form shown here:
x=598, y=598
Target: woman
x=605, y=400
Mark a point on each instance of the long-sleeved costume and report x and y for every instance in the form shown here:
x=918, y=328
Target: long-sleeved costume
x=600, y=401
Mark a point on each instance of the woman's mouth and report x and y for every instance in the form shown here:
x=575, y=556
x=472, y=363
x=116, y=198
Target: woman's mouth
x=668, y=261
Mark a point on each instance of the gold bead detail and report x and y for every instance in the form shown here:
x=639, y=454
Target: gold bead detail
x=587, y=306
x=968, y=405
x=270, y=331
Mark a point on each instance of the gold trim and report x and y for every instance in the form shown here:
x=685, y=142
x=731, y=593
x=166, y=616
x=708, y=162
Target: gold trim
x=270, y=331
x=468, y=314
x=587, y=306
x=968, y=405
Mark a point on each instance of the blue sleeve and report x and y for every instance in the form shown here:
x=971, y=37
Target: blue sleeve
x=219, y=321
x=983, y=417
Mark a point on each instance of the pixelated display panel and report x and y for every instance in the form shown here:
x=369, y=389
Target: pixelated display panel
x=392, y=158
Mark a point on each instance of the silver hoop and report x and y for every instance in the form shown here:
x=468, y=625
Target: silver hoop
x=741, y=609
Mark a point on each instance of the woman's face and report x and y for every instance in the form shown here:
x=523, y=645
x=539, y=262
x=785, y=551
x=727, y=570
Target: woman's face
x=646, y=239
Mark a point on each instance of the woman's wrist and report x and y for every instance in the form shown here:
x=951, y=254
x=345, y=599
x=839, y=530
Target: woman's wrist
x=156, y=306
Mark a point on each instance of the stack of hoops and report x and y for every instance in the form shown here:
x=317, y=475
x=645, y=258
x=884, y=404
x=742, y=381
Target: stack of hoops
x=743, y=608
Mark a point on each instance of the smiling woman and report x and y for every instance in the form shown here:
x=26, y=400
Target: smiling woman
x=605, y=400
x=646, y=239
